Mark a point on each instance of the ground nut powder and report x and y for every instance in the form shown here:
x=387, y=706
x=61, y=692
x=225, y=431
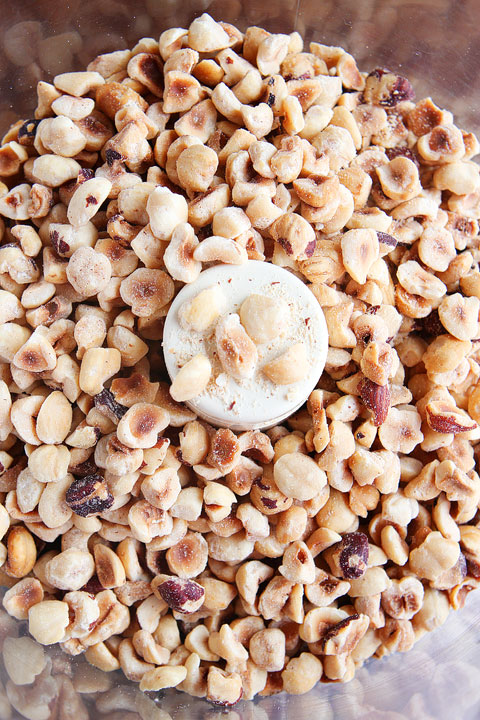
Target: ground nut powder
x=230, y=563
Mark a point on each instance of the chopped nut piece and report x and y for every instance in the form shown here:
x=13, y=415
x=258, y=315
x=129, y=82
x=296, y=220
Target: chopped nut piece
x=288, y=368
x=192, y=379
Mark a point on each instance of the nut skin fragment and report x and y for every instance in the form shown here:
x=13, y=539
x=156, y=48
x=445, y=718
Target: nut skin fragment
x=88, y=496
x=376, y=398
x=352, y=555
x=184, y=596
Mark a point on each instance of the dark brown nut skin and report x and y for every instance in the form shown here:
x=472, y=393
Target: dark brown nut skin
x=352, y=555
x=184, y=596
x=376, y=398
x=105, y=402
x=89, y=496
x=26, y=134
x=431, y=324
x=386, y=240
x=387, y=89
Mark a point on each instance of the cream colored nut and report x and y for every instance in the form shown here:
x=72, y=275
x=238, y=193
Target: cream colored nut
x=442, y=144
x=10, y=308
x=98, y=365
x=28, y=491
x=108, y=566
x=298, y=476
x=399, y=179
x=228, y=105
x=223, y=688
x=420, y=282
x=89, y=332
x=162, y=488
x=218, y=501
x=179, y=256
x=459, y=316
x=267, y=649
x=263, y=317
x=15, y=204
x=23, y=416
x=401, y=430
x=293, y=233
x=236, y=351
x=293, y=121
x=197, y=642
x=60, y=136
x=24, y=660
x=36, y=355
x=87, y=199
x=102, y=658
x=88, y=271
x=290, y=367
x=200, y=121
x=206, y=35
x=394, y=547
x=54, y=419
x=460, y=178
x=181, y=92
x=254, y=522
x=147, y=291
x=21, y=552
x=196, y=167
x=4, y=521
x=436, y=248
x=141, y=425
x=192, y=379
x=434, y=556
x=78, y=83
x=170, y=41
x=147, y=522
x=445, y=353
x=70, y=570
x=231, y=549
x=230, y=222
x=188, y=558
x=337, y=144
x=298, y=565
x=201, y=312
x=29, y=239
x=258, y=120
x=379, y=362
x=47, y=621
x=225, y=644
x=188, y=505
x=343, y=637
x=37, y=294
x=72, y=107
x=271, y=53
x=301, y=674
x=147, y=648
x=163, y=677
x=359, y=251
x=194, y=442
x=375, y=580
x=220, y=249
x=21, y=597
x=262, y=212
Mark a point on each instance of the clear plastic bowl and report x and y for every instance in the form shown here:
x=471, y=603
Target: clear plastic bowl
x=436, y=44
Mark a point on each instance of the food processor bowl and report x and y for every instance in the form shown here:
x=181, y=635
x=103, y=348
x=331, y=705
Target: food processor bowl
x=436, y=44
